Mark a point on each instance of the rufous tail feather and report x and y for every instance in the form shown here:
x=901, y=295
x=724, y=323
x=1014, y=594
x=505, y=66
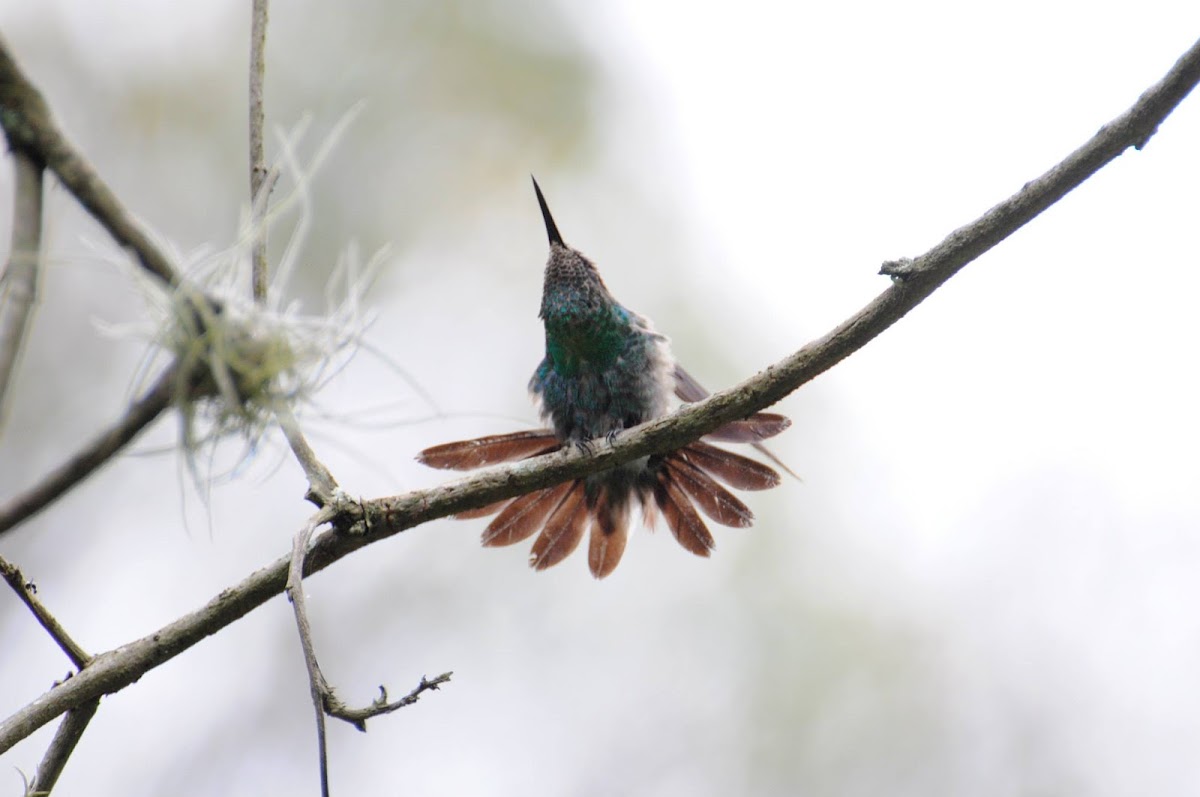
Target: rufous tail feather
x=482, y=451
x=733, y=469
x=563, y=531
x=525, y=516
x=712, y=499
x=610, y=531
x=681, y=517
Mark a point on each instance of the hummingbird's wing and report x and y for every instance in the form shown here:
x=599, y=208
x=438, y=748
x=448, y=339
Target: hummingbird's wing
x=752, y=430
x=686, y=386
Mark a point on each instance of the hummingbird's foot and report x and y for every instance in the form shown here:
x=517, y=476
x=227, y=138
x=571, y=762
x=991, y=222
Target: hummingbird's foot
x=584, y=445
x=611, y=437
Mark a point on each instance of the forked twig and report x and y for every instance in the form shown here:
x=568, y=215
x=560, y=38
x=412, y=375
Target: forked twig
x=324, y=701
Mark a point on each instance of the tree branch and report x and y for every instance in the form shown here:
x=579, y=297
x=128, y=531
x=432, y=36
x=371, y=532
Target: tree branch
x=30, y=129
x=71, y=729
x=18, y=284
x=69, y=732
x=355, y=528
x=98, y=451
x=318, y=687
x=260, y=186
x=322, y=487
x=27, y=592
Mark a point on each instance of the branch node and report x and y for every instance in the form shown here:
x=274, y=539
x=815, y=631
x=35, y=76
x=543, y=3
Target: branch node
x=899, y=270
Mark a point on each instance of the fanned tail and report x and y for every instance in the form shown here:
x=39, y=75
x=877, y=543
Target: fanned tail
x=674, y=485
x=677, y=485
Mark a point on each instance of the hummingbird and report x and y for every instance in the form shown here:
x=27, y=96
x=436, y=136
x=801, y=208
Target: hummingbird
x=605, y=370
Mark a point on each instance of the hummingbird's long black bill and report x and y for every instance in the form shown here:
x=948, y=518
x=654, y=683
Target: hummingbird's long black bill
x=551, y=227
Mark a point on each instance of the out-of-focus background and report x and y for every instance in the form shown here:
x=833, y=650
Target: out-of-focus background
x=986, y=583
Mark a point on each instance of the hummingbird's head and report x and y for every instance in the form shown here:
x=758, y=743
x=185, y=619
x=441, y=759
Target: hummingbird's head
x=570, y=277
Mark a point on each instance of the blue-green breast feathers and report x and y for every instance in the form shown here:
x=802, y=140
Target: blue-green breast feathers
x=583, y=334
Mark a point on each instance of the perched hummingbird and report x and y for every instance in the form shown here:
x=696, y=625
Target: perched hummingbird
x=606, y=370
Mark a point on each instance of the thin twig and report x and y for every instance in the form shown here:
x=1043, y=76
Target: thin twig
x=358, y=717
x=260, y=187
x=98, y=451
x=317, y=685
x=30, y=128
x=321, y=485
x=18, y=284
x=70, y=730
x=375, y=520
x=321, y=482
x=27, y=592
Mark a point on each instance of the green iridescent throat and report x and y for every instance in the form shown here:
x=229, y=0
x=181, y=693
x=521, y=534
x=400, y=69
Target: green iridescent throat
x=574, y=343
